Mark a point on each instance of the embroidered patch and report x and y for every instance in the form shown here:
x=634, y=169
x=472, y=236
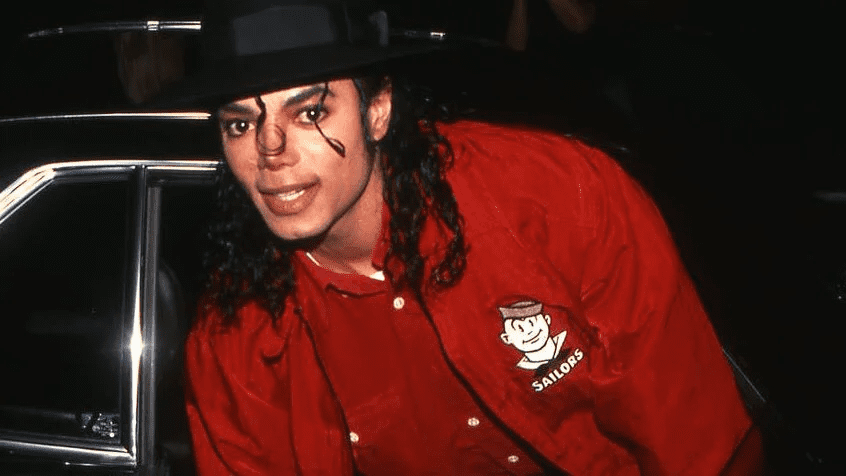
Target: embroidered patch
x=527, y=328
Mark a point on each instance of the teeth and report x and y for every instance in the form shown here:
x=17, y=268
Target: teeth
x=290, y=195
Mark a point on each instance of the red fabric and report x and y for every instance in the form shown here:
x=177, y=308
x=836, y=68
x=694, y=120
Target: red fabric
x=640, y=385
x=409, y=413
x=748, y=459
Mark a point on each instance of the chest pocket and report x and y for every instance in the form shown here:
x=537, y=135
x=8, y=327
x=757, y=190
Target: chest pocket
x=513, y=323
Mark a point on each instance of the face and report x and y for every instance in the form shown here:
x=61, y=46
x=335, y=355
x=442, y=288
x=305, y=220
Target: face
x=528, y=334
x=279, y=146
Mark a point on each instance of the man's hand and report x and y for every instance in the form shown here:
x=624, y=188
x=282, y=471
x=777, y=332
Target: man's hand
x=517, y=35
x=577, y=16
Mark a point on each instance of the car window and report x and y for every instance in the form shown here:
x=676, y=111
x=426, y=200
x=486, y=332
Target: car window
x=186, y=210
x=62, y=268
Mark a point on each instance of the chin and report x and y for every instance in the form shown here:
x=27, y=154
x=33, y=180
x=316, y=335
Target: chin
x=298, y=230
x=298, y=234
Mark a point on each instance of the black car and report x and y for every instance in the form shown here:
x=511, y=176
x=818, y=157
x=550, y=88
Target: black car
x=101, y=220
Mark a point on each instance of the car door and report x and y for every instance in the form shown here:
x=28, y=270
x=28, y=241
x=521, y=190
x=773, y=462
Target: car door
x=80, y=291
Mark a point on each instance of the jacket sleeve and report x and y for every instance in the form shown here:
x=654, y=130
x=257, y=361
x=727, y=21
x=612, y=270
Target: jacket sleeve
x=662, y=386
x=237, y=405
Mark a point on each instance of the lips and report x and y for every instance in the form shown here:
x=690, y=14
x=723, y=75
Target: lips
x=290, y=200
x=533, y=339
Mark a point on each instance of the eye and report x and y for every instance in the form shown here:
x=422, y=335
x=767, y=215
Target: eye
x=312, y=114
x=236, y=127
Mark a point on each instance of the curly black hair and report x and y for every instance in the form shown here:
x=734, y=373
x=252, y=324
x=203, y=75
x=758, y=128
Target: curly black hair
x=247, y=262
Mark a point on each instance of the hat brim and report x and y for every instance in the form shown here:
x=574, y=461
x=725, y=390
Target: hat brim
x=222, y=82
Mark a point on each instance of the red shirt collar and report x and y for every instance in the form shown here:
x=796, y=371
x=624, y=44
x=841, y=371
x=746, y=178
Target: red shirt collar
x=353, y=283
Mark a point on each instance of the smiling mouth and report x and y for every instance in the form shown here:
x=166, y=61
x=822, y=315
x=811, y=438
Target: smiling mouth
x=290, y=196
x=533, y=339
x=291, y=200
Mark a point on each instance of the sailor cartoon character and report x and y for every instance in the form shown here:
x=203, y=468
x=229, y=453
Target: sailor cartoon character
x=527, y=329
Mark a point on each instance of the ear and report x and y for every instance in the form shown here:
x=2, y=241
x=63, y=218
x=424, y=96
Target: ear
x=548, y=320
x=379, y=113
x=505, y=338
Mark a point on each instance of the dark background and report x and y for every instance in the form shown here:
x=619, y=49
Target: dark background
x=731, y=117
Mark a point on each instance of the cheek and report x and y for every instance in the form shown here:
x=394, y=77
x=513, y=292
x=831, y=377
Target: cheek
x=354, y=172
x=348, y=174
x=239, y=159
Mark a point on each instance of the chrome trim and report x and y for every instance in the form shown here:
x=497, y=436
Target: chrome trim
x=134, y=301
x=162, y=115
x=71, y=454
x=147, y=417
x=26, y=186
x=32, y=181
x=420, y=34
x=152, y=26
x=169, y=168
x=436, y=36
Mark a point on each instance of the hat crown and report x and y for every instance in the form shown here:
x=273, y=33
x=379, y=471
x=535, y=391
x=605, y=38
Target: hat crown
x=240, y=28
x=255, y=46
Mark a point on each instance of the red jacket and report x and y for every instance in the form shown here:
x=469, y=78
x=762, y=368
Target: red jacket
x=645, y=390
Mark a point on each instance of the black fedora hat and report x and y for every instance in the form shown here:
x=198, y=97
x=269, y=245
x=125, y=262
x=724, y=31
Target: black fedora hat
x=254, y=46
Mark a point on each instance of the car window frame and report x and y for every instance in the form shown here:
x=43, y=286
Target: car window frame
x=137, y=445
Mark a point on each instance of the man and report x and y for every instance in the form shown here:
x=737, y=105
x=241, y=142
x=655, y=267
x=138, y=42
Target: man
x=367, y=257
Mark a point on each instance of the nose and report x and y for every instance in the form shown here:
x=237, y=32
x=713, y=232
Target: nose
x=271, y=143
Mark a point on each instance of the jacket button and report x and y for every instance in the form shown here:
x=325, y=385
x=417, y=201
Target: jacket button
x=353, y=437
x=473, y=422
x=399, y=303
x=513, y=459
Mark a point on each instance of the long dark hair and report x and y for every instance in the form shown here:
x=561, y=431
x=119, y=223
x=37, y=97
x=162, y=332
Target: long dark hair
x=247, y=262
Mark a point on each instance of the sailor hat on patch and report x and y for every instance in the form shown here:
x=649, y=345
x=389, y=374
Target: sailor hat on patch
x=255, y=46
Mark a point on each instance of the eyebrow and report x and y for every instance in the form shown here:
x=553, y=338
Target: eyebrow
x=234, y=108
x=309, y=93
x=299, y=98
